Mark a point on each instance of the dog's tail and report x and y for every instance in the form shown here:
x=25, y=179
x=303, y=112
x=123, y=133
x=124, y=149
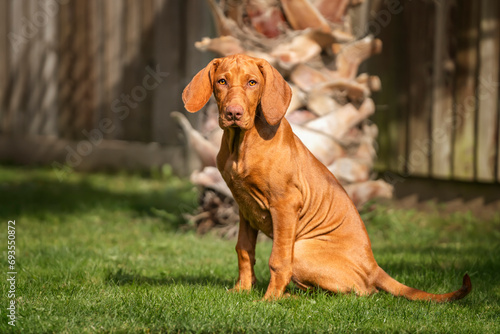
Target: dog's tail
x=389, y=284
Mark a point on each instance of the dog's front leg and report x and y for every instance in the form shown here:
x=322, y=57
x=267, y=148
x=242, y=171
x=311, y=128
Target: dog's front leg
x=285, y=219
x=245, y=247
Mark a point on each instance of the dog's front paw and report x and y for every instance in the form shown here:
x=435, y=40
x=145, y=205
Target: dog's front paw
x=272, y=296
x=239, y=287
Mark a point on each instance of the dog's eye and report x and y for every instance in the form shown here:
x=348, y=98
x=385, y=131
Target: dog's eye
x=222, y=82
x=252, y=83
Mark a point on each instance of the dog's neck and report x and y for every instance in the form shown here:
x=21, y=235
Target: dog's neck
x=234, y=138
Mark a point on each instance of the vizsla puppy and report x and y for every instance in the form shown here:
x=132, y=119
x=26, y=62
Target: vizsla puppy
x=319, y=239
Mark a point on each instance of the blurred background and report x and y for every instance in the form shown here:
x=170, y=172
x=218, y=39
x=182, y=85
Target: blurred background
x=89, y=85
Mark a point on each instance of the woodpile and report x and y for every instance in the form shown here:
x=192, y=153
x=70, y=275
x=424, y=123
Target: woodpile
x=312, y=45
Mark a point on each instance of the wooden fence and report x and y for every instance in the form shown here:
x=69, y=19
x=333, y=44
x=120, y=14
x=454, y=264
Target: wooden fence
x=85, y=70
x=439, y=108
x=91, y=71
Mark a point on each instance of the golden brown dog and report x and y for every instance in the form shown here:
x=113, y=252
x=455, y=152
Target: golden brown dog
x=319, y=239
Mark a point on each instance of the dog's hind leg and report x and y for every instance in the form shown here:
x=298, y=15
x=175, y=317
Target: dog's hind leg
x=321, y=264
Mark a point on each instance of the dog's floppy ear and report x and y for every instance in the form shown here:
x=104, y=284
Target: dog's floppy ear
x=198, y=91
x=276, y=95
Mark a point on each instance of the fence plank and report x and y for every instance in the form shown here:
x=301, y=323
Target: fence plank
x=65, y=83
x=392, y=68
x=466, y=61
x=47, y=113
x=398, y=127
x=420, y=26
x=113, y=65
x=359, y=16
x=19, y=73
x=487, y=91
x=36, y=87
x=442, y=111
x=82, y=68
x=4, y=58
x=133, y=71
x=149, y=15
x=168, y=98
x=75, y=87
x=199, y=25
x=96, y=45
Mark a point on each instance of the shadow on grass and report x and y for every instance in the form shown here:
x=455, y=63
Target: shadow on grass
x=40, y=195
x=483, y=283
x=121, y=277
x=478, y=258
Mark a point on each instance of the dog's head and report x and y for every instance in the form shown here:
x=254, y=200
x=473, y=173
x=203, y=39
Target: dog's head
x=243, y=87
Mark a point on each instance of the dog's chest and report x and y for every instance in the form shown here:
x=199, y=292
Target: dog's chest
x=250, y=198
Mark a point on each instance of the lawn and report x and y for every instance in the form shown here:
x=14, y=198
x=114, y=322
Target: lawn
x=112, y=254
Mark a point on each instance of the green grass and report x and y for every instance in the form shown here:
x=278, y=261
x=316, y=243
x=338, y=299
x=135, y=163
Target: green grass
x=101, y=253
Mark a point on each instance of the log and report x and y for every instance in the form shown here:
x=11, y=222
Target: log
x=210, y=178
x=366, y=151
x=306, y=77
x=343, y=90
x=300, y=49
x=266, y=20
x=224, y=25
x=210, y=127
x=348, y=170
x=204, y=149
x=324, y=147
x=333, y=10
x=372, y=81
x=224, y=45
x=300, y=117
x=322, y=104
x=338, y=122
x=301, y=14
x=362, y=192
x=342, y=120
x=353, y=54
x=298, y=99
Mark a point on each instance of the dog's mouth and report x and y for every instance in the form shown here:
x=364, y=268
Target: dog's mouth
x=233, y=124
x=236, y=123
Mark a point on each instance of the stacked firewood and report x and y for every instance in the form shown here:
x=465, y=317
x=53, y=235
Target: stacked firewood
x=312, y=45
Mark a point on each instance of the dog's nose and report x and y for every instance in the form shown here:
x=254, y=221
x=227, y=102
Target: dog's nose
x=234, y=112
